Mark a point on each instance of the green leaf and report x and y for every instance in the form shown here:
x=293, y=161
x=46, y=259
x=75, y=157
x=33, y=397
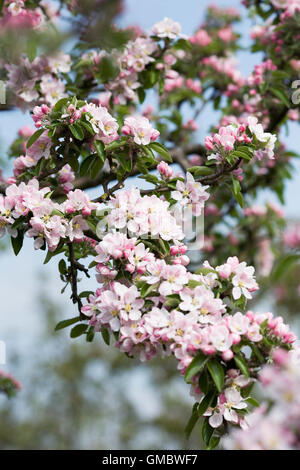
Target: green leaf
x=284, y=266
x=216, y=371
x=90, y=334
x=100, y=149
x=86, y=165
x=78, y=330
x=161, y=150
x=96, y=167
x=148, y=289
x=213, y=442
x=150, y=178
x=60, y=104
x=236, y=190
x=207, y=432
x=73, y=161
x=281, y=95
x=242, y=154
x=252, y=401
x=34, y=137
x=183, y=44
x=105, y=335
x=62, y=266
x=17, y=242
x=200, y=170
x=172, y=301
x=85, y=293
x=193, y=283
x=108, y=69
x=257, y=353
x=49, y=255
x=206, y=402
x=204, y=271
x=77, y=131
x=203, y=382
x=192, y=421
x=195, y=366
x=161, y=86
x=64, y=323
x=242, y=364
x=141, y=94
x=57, y=212
x=88, y=126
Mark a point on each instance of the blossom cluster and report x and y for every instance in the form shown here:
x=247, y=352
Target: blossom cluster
x=155, y=306
x=274, y=427
x=47, y=221
x=38, y=81
x=15, y=14
x=228, y=138
x=137, y=55
x=191, y=193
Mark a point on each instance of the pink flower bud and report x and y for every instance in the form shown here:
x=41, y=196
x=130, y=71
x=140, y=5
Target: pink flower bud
x=209, y=143
x=126, y=130
x=165, y=170
x=227, y=355
x=174, y=250
x=130, y=268
x=141, y=269
x=155, y=134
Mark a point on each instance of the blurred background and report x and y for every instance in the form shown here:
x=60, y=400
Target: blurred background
x=77, y=395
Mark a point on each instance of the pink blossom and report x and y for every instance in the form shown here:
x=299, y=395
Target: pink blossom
x=201, y=38
x=140, y=128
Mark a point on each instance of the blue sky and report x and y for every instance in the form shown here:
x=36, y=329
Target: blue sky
x=19, y=283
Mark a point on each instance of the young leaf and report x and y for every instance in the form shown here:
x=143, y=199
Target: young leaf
x=86, y=165
x=62, y=266
x=205, y=403
x=141, y=94
x=105, y=335
x=236, y=190
x=100, y=149
x=242, y=364
x=60, y=104
x=64, y=323
x=161, y=150
x=90, y=334
x=17, y=242
x=207, y=431
x=78, y=330
x=213, y=442
x=281, y=95
x=195, y=366
x=252, y=401
x=85, y=294
x=96, y=167
x=200, y=170
x=77, y=131
x=283, y=266
x=203, y=382
x=34, y=137
x=192, y=421
x=216, y=371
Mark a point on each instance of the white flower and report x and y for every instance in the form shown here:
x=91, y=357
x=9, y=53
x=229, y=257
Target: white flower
x=167, y=28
